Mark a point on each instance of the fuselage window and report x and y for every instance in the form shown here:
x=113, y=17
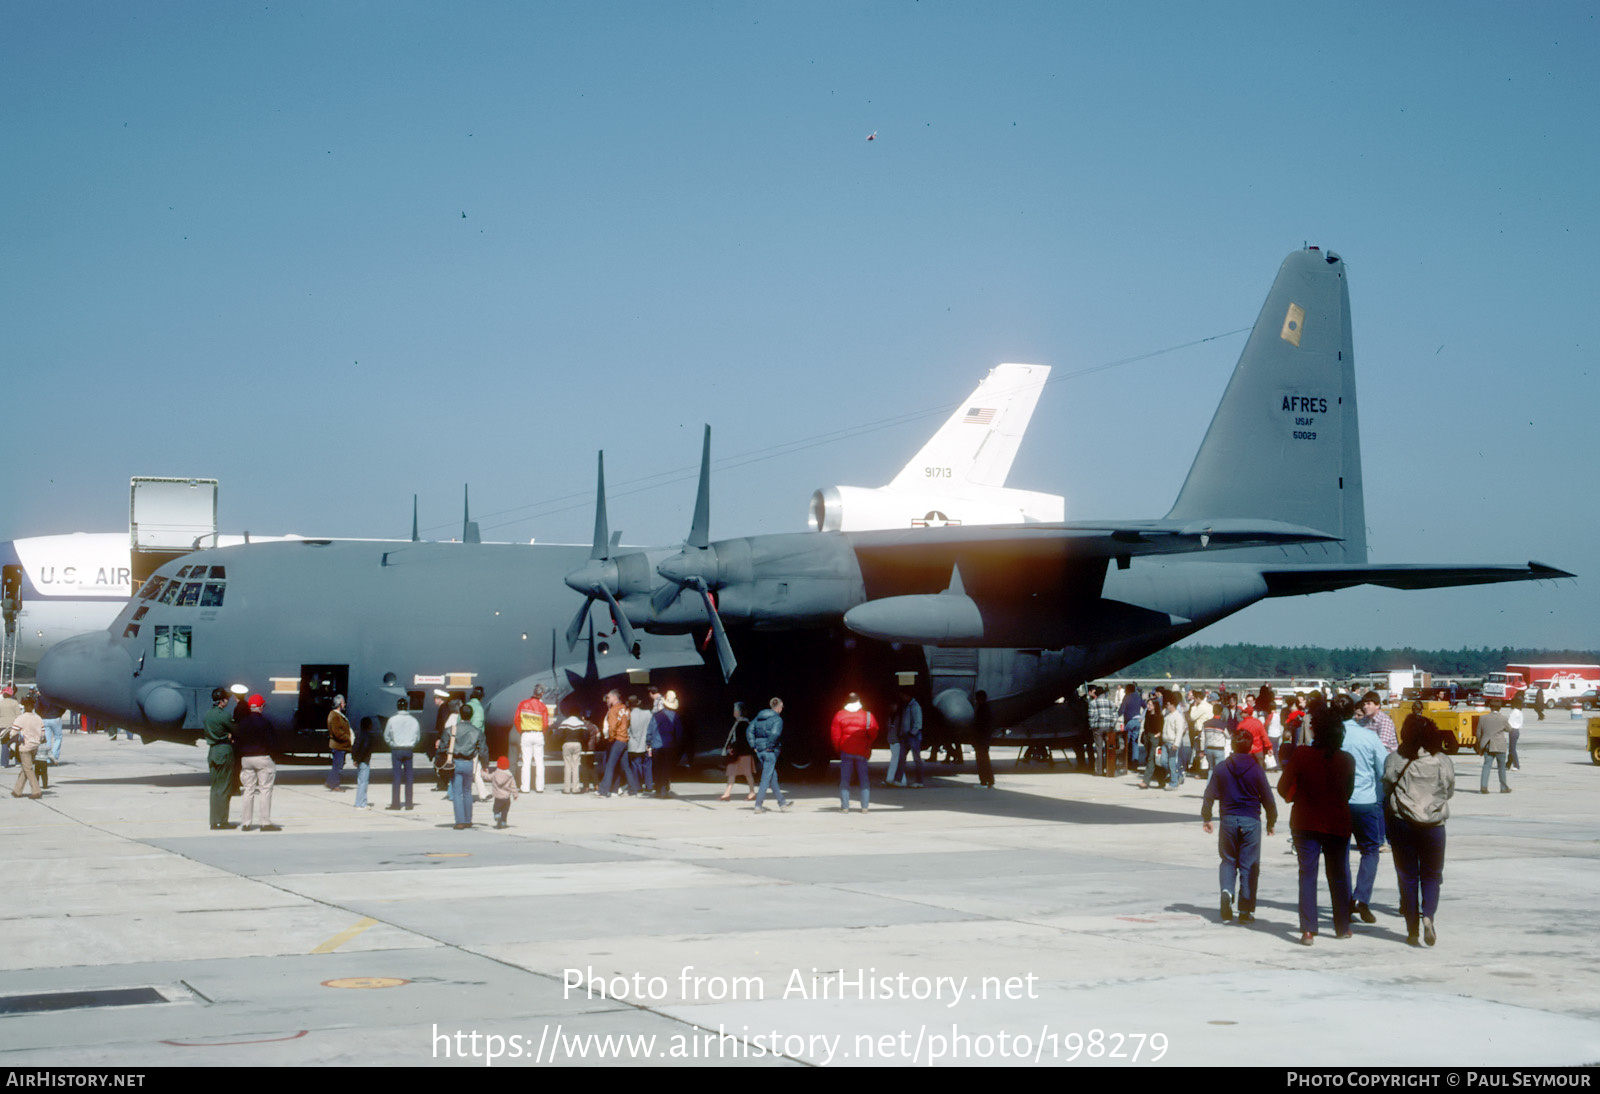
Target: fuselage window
x=212, y=597
x=151, y=588
x=191, y=595
x=172, y=642
x=218, y=573
x=171, y=595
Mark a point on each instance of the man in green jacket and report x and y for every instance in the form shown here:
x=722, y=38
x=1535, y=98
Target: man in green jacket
x=219, y=736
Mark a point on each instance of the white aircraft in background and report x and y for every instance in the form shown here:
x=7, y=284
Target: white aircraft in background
x=959, y=476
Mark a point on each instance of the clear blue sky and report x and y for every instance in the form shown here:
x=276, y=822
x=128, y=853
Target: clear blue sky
x=234, y=246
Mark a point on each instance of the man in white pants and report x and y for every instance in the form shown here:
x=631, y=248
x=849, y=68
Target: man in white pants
x=532, y=717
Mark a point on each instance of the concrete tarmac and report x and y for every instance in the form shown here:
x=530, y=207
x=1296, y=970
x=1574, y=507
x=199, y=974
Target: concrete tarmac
x=1059, y=919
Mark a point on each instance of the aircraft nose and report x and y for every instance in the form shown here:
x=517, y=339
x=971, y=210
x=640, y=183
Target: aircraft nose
x=92, y=674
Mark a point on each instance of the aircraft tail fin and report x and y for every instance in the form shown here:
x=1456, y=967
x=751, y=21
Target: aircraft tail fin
x=979, y=441
x=1284, y=443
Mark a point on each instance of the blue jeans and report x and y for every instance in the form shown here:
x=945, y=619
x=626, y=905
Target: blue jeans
x=1239, y=844
x=1366, y=823
x=52, y=738
x=1335, y=852
x=400, y=770
x=363, y=773
x=643, y=773
x=769, y=778
x=461, y=790
x=858, y=765
x=1172, y=759
x=1135, y=744
x=896, y=749
x=1214, y=758
x=1418, y=867
x=336, y=770
x=617, y=756
x=1491, y=759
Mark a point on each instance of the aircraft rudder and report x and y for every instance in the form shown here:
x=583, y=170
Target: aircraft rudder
x=1284, y=442
x=978, y=442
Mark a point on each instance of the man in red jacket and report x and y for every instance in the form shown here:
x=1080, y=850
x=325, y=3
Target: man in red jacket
x=854, y=730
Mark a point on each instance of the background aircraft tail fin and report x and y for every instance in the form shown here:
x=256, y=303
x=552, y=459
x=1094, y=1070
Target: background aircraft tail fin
x=1284, y=443
x=979, y=441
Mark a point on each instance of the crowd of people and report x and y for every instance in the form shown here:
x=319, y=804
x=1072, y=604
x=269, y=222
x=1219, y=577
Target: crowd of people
x=1346, y=775
x=1346, y=772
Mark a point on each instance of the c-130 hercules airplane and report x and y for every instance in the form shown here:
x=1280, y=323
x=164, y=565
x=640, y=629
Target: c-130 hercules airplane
x=1271, y=507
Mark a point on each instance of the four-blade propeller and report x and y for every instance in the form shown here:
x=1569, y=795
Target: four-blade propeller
x=695, y=567
x=598, y=580
x=608, y=575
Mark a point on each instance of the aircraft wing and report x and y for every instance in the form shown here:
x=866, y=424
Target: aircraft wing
x=1087, y=539
x=1297, y=580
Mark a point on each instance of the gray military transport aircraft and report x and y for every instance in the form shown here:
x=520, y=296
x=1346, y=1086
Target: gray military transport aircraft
x=1272, y=507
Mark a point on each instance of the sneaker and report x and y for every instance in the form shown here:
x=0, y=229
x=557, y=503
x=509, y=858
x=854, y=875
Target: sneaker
x=1307, y=939
x=863, y=808
x=1345, y=934
x=1247, y=917
x=1227, y=906
x=784, y=808
x=1429, y=935
x=759, y=809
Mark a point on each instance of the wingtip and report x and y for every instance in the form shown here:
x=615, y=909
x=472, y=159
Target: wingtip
x=1547, y=571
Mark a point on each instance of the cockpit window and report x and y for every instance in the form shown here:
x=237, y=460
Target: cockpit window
x=219, y=572
x=191, y=595
x=131, y=631
x=141, y=613
x=171, y=595
x=151, y=588
x=212, y=596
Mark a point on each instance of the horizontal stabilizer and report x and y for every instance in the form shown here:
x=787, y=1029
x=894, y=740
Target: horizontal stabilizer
x=1298, y=580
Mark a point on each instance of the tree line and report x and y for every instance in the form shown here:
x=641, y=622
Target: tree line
x=1245, y=660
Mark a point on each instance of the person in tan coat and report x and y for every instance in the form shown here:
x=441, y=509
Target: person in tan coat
x=339, y=740
x=28, y=733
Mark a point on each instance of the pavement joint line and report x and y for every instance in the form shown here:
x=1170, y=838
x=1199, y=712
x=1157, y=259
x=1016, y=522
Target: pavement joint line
x=362, y=924
x=513, y=966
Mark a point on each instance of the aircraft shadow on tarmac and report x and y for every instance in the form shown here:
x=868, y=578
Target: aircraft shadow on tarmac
x=939, y=796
